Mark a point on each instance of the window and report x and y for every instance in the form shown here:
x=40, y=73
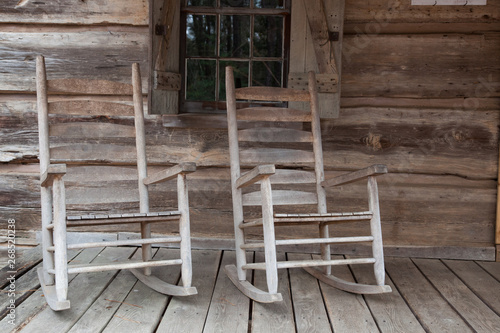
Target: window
x=250, y=35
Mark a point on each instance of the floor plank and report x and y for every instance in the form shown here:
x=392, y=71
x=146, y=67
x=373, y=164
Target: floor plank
x=491, y=267
x=229, y=308
x=390, y=311
x=35, y=303
x=348, y=312
x=24, y=260
x=433, y=312
x=308, y=306
x=187, y=314
x=273, y=317
x=478, y=315
x=486, y=287
x=83, y=291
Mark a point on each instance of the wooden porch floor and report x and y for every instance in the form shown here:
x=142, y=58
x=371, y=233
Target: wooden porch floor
x=428, y=295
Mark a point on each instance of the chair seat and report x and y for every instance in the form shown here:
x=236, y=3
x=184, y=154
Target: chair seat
x=102, y=219
x=313, y=218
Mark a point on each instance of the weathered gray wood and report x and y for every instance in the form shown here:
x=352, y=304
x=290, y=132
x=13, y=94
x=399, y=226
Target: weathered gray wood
x=188, y=314
x=491, y=267
x=434, y=312
x=270, y=155
x=35, y=308
x=271, y=94
x=274, y=135
x=308, y=306
x=59, y=12
x=478, y=280
x=248, y=289
x=390, y=310
x=229, y=308
x=88, y=87
x=273, y=317
x=24, y=262
x=53, y=172
x=340, y=306
x=327, y=83
x=143, y=307
x=273, y=114
x=90, y=108
x=255, y=175
x=170, y=173
x=281, y=197
x=267, y=203
x=477, y=314
x=355, y=176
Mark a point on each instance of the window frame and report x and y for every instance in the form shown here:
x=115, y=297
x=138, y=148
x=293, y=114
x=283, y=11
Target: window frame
x=192, y=107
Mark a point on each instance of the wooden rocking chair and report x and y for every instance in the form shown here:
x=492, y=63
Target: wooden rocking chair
x=54, y=274
x=253, y=138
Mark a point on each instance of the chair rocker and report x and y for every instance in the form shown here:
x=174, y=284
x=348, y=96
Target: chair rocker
x=98, y=99
x=258, y=145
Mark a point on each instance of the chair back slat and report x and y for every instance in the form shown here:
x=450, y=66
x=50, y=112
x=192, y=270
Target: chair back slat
x=91, y=108
x=273, y=114
x=278, y=156
x=272, y=94
x=88, y=87
x=282, y=198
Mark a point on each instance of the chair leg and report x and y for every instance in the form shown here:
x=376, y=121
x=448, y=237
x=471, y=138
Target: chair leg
x=376, y=231
x=325, y=248
x=48, y=256
x=60, y=248
x=147, y=253
x=269, y=237
x=184, y=231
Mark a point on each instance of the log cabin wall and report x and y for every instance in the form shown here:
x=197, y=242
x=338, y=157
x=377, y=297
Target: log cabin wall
x=420, y=93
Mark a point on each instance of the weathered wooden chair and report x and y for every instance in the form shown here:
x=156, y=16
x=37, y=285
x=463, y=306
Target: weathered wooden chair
x=54, y=274
x=252, y=153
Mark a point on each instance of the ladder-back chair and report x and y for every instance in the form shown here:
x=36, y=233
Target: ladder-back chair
x=258, y=146
x=97, y=100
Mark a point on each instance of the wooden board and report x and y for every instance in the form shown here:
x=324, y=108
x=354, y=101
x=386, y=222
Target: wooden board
x=59, y=12
x=229, y=308
x=310, y=315
x=273, y=317
x=205, y=268
x=340, y=305
x=435, y=313
x=477, y=314
x=85, y=54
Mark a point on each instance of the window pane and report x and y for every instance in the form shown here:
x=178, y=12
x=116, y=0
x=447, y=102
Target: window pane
x=200, y=80
x=269, y=3
x=235, y=36
x=206, y=3
x=268, y=36
x=240, y=70
x=201, y=35
x=235, y=3
x=266, y=73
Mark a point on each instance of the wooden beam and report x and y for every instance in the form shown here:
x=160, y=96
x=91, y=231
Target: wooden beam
x=319, y=29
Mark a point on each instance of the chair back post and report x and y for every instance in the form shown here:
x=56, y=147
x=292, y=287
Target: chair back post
x=235, y=171
x=44, y=158
x=140, y=138
x=317, y=144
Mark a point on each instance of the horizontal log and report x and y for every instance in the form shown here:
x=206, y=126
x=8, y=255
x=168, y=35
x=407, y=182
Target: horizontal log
x=274, y=135
x=273, y=114
x=281, y=197
x=61, y=12
x=275, y=156
x=88, y=55
x=73, y=86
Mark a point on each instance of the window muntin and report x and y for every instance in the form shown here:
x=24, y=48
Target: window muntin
x=250, y=35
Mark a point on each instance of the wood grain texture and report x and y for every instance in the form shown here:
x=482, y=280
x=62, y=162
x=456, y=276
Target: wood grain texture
x=61, y=12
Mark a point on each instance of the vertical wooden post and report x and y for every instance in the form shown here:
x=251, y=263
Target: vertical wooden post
x=140, y=144
x=60, y=254
x=232, y=126
x=497, y=228
x=184, y=230
x=269, y=236
x=376, y=231
x=44, y=157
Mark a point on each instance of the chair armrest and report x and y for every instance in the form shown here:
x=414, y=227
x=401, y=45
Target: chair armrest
x=374, y=170
x=170, y=173
x=53, y=171
x=256, y=174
